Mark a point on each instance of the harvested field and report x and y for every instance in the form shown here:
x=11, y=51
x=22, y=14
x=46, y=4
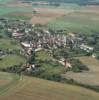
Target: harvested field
x=3, y=82
x=5, y=79
x=37, y=89
x=90, y=77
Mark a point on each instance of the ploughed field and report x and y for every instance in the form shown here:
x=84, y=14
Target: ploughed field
x=28, y=88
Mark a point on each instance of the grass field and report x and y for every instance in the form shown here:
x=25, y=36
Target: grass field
x=7, y=7
x=79, y=22
x=11, y=60
x=4, y=1
x=6, y=10
x=90, y=77
x=37, y=89
x=6, y=43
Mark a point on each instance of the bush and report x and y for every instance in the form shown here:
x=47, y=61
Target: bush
x=77, y=65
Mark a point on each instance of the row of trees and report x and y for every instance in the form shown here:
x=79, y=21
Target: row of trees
x=80, y=2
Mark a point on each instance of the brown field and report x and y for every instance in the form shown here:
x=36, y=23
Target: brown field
x=43, y=15
x=3, y=82
x=46, y=15
x=91, y=9
x=20, y=14
x=29, y=88
x=44, y=18
x=91, y=77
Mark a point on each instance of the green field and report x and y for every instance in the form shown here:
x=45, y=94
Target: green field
x=37, y=89
x=11, y=60
x=6, y=43
x=5, y=9
x=4, y=1
x=77, y=22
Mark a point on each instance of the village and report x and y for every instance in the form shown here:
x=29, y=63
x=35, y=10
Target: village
x=35, y=38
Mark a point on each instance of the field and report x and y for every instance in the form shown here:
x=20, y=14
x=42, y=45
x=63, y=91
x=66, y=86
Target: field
x=83, y=21
x=46, y=15
x=8, y=6
x=37, y=89
x=4, y=1
x=11, y=60
x=7, y=80
x=4, y=79
x=90, y=77
x=6, y=43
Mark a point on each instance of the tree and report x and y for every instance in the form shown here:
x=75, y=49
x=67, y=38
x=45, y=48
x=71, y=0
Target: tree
x=31, y=59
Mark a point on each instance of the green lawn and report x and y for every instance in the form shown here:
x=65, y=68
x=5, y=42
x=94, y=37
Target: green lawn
x=10, y=60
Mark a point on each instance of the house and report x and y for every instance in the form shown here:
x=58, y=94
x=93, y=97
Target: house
x=17, y=35
x=65, y=63
x=86, y=48
x=25, y=44
x=2, y=53
x=72, y=34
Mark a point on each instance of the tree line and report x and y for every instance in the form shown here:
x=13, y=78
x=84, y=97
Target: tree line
x=80, y=2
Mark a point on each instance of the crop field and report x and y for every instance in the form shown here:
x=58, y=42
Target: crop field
x=90, y=77
x=7, y=80
x=4, y=79
x=78, y=21
x=37, y=89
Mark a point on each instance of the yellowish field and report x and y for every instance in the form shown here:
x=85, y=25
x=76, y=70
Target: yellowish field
x=37, y=89
x=7, y=80
x=90, y=77
x=4, y=79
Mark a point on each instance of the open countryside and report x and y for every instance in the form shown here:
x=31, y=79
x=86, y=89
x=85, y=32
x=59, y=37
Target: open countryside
x=49, y=49
x=40, y=89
